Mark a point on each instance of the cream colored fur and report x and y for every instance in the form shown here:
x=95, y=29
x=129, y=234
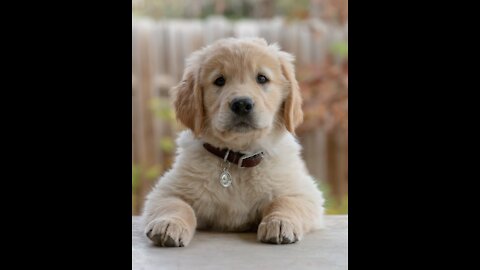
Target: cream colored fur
x=278, y=198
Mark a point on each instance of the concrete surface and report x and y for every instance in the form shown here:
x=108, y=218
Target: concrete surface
x=325, y=249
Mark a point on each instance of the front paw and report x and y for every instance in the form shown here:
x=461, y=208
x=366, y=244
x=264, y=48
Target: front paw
x=168, y=233
x=278, y=230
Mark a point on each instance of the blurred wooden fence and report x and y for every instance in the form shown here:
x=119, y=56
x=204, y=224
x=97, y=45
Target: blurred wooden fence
x=158, y=55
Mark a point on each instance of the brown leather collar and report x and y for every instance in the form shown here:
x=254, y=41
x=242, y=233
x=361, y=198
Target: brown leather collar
x=242, y=160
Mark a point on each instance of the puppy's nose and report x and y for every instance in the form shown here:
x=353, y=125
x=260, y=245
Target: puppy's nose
x=242, y=105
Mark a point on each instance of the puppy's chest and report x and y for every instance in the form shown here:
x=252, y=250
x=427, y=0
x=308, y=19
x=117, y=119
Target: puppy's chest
x=242, y=188
x=232, y=207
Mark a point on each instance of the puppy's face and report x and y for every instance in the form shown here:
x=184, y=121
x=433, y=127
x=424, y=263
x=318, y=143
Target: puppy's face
x=238, y=90
x=243, y=89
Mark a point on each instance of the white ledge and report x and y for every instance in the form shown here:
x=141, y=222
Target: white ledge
x=325, y=249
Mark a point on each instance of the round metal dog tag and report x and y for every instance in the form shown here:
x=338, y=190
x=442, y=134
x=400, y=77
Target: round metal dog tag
x=225, y=179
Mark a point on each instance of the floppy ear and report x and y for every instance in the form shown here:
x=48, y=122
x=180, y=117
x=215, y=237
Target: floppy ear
x=188, y=101
x=292, y=107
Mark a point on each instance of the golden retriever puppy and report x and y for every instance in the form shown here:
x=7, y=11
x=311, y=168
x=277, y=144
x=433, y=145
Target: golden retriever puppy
x=238, y=166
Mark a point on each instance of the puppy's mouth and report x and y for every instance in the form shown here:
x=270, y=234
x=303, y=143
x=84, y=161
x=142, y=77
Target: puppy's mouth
x=242, y=125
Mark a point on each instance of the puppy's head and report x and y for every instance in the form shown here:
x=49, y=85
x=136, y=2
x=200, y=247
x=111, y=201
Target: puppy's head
x=238, y=90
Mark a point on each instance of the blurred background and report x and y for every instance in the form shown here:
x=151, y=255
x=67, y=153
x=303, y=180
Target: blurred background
x=165, y=32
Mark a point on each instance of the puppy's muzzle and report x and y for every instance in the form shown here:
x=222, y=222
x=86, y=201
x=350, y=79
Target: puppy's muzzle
x=242, y=106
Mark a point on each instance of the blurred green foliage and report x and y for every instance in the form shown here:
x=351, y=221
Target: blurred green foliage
x=135, y=177
x=162, y=109
x=340, y=49
x=333, y=206
x=135, y=182
x=167, y=144
x=337, y=208
x=231, y=9
x=153, y=172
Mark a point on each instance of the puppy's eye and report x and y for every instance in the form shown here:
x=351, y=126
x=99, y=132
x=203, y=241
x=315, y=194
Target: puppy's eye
x=261, y=79
x=220, y=81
